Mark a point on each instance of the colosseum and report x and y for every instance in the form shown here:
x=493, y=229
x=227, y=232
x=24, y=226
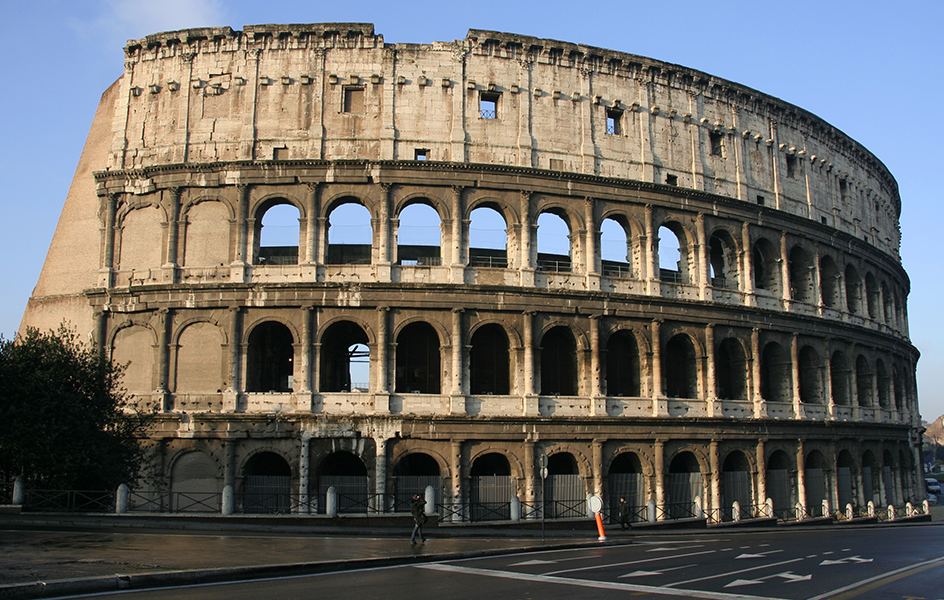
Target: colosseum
x=645, y=282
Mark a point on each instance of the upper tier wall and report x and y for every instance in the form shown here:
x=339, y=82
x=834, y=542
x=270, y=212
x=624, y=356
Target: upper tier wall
x=336, y=91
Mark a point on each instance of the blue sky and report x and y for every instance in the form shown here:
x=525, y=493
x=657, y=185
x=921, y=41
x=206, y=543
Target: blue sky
x=872, y=69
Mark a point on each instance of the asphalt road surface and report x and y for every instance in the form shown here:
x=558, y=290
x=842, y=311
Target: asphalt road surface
x=836, y=563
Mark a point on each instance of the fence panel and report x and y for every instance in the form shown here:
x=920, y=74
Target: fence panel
x=352, y=492
x=628, y=486
x=407, y=485
x=683, y=489
x=490, y=497
x=815, y=492
x=844, y=486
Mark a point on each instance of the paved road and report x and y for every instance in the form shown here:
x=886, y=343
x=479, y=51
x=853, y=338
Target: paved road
x=868, y=563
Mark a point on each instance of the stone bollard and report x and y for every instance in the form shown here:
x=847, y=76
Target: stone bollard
x=430, y=496
x=800, y=512
x=121, y=499
x=926, y=507
x=651, y=511
x=910, y=509
x=891, y=512
x=826, y=511
x=699, y=511
x=227, y=505
x=871, y=508
x=735, y=511
x=331, y=502
x=850, y=512
x=515, y=509
x=769, y=505
x=19, y=490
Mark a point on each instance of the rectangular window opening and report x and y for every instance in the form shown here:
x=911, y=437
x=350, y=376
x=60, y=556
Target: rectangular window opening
x=614, y=120
x=824, y=220
x=557, y=164
x=671, y=179
x=717, y=147
x=280, y=154
x=421, y=154
x=353, y=100
x=791, y=166
x=488, y=105
x=760, y=199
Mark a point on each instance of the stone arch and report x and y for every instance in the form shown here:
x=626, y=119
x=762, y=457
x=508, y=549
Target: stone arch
x=731, y=366
x=776, y=379
x=433, y=201
x=626, y=479
x=845, y=470
x=418, y=358
x=200, y=364
x=780, y=477
x=680, y=367
x=811, y=376
x=802, y=280
x=723, y=264
x=195, y=482
x=815, y=480
x=491, y=486
x=616, y=246
x=508, y=212
x=863, y=380
x=413, y=472
x=830, y=282
x=415, y=249
x=346, y=243
x=853, y=290
x=765, y=266
x=683, y=268
x=549, y=246
x=206, y=239
x=267, y=482
x=737, y=485
x=623, y=375
x=270, y=356
x=484, y=252
x=559, y=362
x=140, y=243
x=489, y=360
x=685, y=487
x=344, y=356
x=873, y=302
x=839, y=375
x=133, y=343
x=882, y=384
x=347, y=473
x=565, y=487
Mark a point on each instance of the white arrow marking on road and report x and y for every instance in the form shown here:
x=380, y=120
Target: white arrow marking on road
x=761, y=555
x=845, y=561
x=667, y=549
x=740, y=582
x=535, y=562
x=841, y=561
x=788, y=575
x=647, y=573
x=859, y=559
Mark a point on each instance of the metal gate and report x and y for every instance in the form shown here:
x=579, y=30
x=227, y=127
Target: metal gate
x=780, y=490
x=815, y=492
x=353, y=495
x=868, y=489
x=566, y=497
x=683, y=489
x=407, y=485
x=736, y=486
x=844, y=483
x=628, y=486
x=267, y=494
x=490, y=497
x=889, y=485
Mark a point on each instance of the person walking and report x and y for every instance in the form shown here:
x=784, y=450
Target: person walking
x=624, y=513
x=418, y=510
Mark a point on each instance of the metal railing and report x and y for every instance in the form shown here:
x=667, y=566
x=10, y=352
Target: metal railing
x=422, y=261
x=669, y=276
x=69, y=501
x=494, y=262
x=561, y=266
x=624, y=271
x=6, y=493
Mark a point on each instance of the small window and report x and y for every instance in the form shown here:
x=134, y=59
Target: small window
x=557, y=164
x=824, y=220
x=280, y=154
x=716, y=139
x=421, y=154
x=671, y=180
x=791, y=166
x=353, y=100
x=613, y=121
x=842, y=190
x=760, y=199
x=488, y=105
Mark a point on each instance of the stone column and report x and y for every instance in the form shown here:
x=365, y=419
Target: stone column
x=828, y=384
x=240, y=264
x=747, y=265
x=303, y=393
x=703, y=265
x=100, y=332
x=458, y=396
x=861, y=500
x=652, y=253
x=458, y=245
x=229, y=474
x=832, y=477
x=313, y=208
x=660, y=405
x=173, y=230
x=455, y=466
x=798, y=412
x=529, y=467
x=165, y=319
x=526, y=265
x=593, y=258
x=761, y=479
x=381, y=369
x=386, y=253
x=304, y=471
x=801, y=474
x=658, y=450
x=715, y=483
x=231, y=395
x=596, y=450
x=760, y=405
x=597, y=399
x=713, y=405
x=107, y=271
x=786, y=294
x=529, y=396
x=380, y=475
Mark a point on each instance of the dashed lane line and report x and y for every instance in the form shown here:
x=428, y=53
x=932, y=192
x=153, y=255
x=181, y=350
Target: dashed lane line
x=586, y=583
x=631, y=562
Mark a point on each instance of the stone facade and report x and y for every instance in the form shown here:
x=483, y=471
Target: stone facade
x=772, y=362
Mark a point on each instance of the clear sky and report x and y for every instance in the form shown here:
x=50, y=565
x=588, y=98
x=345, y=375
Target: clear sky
x=873, y=69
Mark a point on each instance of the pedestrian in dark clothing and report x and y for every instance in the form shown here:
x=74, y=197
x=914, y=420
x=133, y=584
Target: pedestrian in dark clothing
x=624, y=513
x=418, y=510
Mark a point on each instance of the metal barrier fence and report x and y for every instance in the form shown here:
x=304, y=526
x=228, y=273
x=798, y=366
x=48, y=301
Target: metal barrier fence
x=69, y=501
x=6, y=493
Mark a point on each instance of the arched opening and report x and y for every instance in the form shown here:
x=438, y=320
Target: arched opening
x=622, y=365
x=801, y=275
x=616, y=253
x=267, y=484
x=839, y=379
x=811, y=376
x=863, y=382
x=418, y=358
x=345, y=359
x=673, y=254
x=844, y=468
x=554, y=248
x=888, y=309
x=871, y=478
x=347, y=473
x=765, y=266
x=853, y=290
x=491, y=488
x=882, y=380
x=731, y=370
x=776, y=382
x=413, y=474
x=195, y=484
x=277, y=234
x=888, y=478
x=830, y=282
x=780, y=483
x=737, y=485
x=269, y=359
x=489, y=361
x=488, y=238
x=898, y=388
x=558, y=363
x=349, y=234
x=566, y=496
x=684, y=487
x=814, y=475
x=626, y=480
x=203, y=245
x=722, y=260
x=419, y=236
x=680, y=369
x=871, y=293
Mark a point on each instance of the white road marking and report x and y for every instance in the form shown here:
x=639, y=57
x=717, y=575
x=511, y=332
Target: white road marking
x=586, y=583
x=760, y=555
x=788, y=575
x=865, y=582
x=663, y=549
x=631, y=562
x=538, y=561
x=845, y=561
x=728, y=574
x=659, y=572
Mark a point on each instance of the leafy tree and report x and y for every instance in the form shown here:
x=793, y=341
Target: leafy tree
x=65, y=421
